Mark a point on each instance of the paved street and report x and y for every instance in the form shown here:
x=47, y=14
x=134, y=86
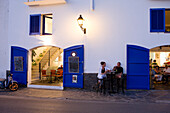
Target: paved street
x=13, y=104
x=130, y=96
x=28, y=100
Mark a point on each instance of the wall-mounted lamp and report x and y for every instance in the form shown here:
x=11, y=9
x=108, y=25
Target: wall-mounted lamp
x=80, y=21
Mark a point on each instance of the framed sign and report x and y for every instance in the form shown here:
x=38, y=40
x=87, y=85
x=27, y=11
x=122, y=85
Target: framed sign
x=74, y=78
x=18, y=63
x=73, y=63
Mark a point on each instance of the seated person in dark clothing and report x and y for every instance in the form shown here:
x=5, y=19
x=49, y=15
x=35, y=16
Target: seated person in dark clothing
x=119, y=75
x=118, y=70
x=157, y=70
x=158, y=74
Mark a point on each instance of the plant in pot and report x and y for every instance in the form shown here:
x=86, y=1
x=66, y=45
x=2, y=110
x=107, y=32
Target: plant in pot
x=38, y=59
x=34, y=63
x=44, y=51
x=41, y=55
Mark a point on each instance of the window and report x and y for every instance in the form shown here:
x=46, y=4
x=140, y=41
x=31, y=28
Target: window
x=41, y=24
x=35, y=22
x=160, y=20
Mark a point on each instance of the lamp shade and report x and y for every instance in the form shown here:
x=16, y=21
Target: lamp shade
x=80, y=21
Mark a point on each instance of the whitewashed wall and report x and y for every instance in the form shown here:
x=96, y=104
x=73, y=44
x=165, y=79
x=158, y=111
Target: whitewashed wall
x=4, y=48
x=110, y=27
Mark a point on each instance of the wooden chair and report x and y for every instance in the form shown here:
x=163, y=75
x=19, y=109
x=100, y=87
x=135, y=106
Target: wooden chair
x=44, y=74
x=59, y=73
x=53, y=73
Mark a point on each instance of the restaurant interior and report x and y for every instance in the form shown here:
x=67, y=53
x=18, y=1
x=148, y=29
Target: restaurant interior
x=160, y=56
x=47, y=66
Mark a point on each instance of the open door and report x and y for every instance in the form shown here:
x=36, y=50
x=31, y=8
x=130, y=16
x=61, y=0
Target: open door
x=19, y=64
x=137, y=67
x=73, y=66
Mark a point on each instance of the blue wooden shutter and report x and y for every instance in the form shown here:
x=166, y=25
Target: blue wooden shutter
x=157, y=20
x=67, y=75
x=137, y=67
x=35, y=24
x=19, y=64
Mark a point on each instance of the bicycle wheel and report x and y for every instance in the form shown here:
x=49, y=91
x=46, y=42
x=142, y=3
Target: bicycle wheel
x=13, y=87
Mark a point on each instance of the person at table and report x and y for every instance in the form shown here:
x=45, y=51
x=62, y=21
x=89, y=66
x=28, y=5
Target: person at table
x=154, y=64
x=158, y=75
x=152, y=74
x=157, y=70
x=166, y=73
x=118, y=70
x=102, y=73
x=119, y=75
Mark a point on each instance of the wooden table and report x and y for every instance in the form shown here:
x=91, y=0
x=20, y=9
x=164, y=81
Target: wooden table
x=111, y=78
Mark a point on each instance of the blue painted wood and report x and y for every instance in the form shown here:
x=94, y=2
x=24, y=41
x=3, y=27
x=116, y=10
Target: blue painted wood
x=35, y=24
x=157, y=20
x=19, y=76
x=67, y=76
x=137, y=67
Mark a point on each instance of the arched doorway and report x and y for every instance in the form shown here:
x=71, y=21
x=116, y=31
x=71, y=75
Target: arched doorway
x=46, y=67
x=139, y=64
x=159, y=59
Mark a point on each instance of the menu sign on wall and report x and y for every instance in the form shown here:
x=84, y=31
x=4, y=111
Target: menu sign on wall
x=74, y=78
x=73, y=63
x=18, y=63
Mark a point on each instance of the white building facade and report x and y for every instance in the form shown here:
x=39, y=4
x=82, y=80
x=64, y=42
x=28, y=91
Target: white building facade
x=110, y=25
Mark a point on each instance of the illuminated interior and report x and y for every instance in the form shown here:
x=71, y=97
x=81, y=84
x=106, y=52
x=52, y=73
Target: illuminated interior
x=161, y=54
x=47, y=66
x=167, y=20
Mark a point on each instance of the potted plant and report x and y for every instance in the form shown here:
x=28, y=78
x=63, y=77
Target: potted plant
x=34, y=63
x=44, y=51
x=41, y=55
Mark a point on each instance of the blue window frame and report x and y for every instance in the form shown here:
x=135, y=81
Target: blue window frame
x=36, y=28
x=35, y=24
x=157, y=20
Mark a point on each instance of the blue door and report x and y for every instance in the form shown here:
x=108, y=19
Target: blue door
x=137, y=67
x=19, y=64
x=73, y=66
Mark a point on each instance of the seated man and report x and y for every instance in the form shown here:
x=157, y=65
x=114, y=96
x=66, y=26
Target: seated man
x=118, y=70
x=119, y=75
x=166, y=73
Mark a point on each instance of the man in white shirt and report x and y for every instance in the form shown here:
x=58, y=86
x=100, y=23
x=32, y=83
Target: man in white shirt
x=166, y=73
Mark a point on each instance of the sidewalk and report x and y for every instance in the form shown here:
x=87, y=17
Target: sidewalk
x=131, y=96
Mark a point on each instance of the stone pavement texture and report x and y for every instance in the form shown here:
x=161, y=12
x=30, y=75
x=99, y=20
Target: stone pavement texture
x=130, y=96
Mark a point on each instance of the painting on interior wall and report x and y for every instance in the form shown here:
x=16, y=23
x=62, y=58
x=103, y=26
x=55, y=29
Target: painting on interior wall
x=73, y=63
x=168, y=57
x=18, y=63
